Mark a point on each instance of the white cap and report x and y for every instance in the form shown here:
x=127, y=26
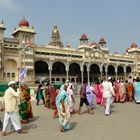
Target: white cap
x=11, y=82
x=67, y=81
x=109, y=78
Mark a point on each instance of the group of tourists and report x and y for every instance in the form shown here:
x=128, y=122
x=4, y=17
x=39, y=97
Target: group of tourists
x=60, y=99
x=18, y=108
x=128, y=90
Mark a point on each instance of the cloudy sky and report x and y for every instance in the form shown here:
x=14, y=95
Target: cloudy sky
x=118, y=21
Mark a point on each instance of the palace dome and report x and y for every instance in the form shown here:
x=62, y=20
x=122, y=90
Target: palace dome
x=93, y=44
x=83, y=36
x=23, y=22
x=102, y=41
x=134, y=45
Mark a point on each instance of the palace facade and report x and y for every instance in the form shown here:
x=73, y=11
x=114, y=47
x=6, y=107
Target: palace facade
x=59, y=62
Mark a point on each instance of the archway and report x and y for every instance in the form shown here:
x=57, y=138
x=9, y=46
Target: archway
x=120, y=71
x=111, y=70
x=94, y=72
x=74, y=71
x=128, y=70
x=41, y=68
x=58, y=68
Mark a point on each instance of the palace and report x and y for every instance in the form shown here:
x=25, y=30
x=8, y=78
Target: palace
x=59, y=62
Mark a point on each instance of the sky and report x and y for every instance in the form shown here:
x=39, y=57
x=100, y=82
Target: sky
x=117, y=21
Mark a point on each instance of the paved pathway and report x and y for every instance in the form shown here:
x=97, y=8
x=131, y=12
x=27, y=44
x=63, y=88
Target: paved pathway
x=122, y=124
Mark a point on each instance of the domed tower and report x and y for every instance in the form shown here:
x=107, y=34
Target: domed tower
x=102, y=42
x=55, y=39
x=24, y=32
x=84, y=42
x=83, y=39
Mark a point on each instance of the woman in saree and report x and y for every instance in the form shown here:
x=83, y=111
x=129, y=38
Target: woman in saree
x=27, y=98
x=116, y=87
x=90, y=96
x=63, y=107
x=99, y=93
x=39, y=95
x=55, y=108
x=129, y=88
x=52, y=96
x=47, y=94
x=71, y=97
x=22, y=108
x=137, y=91
x=122, y=91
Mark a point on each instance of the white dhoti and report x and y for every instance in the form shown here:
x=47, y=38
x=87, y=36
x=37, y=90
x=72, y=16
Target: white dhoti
x=11, y=118
x=107, y=103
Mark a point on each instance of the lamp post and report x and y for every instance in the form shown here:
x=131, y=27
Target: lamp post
x=22, y=69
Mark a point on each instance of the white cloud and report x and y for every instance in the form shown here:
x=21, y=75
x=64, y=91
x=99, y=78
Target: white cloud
x=11, y=5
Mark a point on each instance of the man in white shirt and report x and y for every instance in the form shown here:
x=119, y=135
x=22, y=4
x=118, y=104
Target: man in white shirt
x=108, y=92
x=10, y=101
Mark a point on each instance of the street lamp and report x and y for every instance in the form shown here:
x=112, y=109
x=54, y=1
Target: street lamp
x=24, y=47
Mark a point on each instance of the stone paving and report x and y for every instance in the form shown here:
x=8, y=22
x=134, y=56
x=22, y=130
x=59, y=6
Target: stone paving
x=122, y=124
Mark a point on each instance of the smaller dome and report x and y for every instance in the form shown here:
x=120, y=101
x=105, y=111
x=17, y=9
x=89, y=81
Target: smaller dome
x=134, y=45
x=23, y=22
x=93, y=44
x=102, y=41
x=67, y=46
x=83, y=37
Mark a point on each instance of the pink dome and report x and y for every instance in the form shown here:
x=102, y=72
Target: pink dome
x=102, y=41
x=93, y=44
x=134, y=45
x=83, y=37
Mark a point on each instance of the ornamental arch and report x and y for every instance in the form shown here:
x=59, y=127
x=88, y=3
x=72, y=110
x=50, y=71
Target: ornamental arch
x=111, y=70
x=94, y=72
x=41, y=69
x=74, y=71
x=58, y=68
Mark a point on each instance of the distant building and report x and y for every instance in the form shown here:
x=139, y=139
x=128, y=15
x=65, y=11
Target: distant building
x=59, y=62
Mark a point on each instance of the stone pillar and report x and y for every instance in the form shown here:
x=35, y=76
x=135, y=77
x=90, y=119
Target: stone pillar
x=50, y=75
x=50, y=71
x=116, y=73
x=88, y=76
x=82, y=74
x=101, y=74
x=106, y=72
x=124, y=73
x=67, y=72
x=101, y=77
x=88, y=69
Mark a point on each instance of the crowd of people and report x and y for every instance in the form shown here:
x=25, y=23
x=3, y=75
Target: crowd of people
x=18, y=108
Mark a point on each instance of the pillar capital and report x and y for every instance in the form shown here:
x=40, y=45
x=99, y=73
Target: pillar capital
x=67, y=68
x=81, y=68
